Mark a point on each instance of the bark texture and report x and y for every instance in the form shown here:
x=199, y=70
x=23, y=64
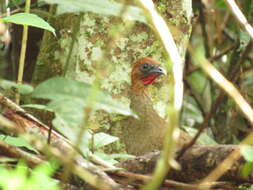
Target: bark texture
x=196, y=164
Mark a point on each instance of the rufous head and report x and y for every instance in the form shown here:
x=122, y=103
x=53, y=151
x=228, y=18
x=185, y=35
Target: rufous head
x=145, y=71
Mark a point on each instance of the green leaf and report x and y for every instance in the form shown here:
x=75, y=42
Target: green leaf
x=36, y=106
x=103, y=139
x=70, y=111
x=28, y=19
x=220, y=4
x=69, y=98
x=244, y=39
x=247, y=169
x=72, y=134
x=21, y=177
x=198, y=81
x=21, y=88
x=15, y=3
x=250, y=188
x=17, y=141
x=41, y=177
x=191, y=113
x=204, y=137
x=61, y=90
x=247, y=152
x=247, y=85
x=104, y=7
x=24, y=88
x=7, y=85
x=200, y=85
x=106, y=157
x=7, y=159
x=111, y=157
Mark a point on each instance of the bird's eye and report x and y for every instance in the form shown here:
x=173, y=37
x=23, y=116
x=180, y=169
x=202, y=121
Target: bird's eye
x=145, y=66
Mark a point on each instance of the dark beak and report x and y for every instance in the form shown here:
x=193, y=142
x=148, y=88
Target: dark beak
x=157, y=70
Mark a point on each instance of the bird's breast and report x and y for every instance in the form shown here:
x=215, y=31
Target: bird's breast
x=146, y=133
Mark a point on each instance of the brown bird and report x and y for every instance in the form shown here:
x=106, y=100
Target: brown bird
x=146, y=133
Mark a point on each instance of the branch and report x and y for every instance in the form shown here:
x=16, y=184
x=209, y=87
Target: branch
x=138, y=179
x=60, y=147
x=172, y=131
x=196, y=163
x=233, y=77
x=15, y=152
x=226, y=85
x=240, y=16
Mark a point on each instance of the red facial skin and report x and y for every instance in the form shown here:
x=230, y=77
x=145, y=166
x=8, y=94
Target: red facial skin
x=139, y=83
x=150, y=79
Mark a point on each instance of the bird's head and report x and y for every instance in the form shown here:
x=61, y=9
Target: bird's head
x=145, y=71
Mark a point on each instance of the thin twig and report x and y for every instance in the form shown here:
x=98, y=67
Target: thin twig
x=23, y=51
x=240, y=16
x=5, y=122
x=202, y=20
x=60, y=146
x=6, y=102
x=49, y=18
x=223, y=52
x=175, y=185
x=215, y=57
x=226, y=164
x=145, y=178
x=203, y=126
x=233, y=77
x=76, y=29
x=15, y=152
x=226, y=85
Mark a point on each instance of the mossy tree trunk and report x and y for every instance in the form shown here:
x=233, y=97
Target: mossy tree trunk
x=89, y=46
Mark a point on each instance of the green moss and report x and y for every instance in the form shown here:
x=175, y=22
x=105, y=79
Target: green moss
x=122, y=43
x=92, y=42
x=161, y=7
x=143, y=36
x=116, y=81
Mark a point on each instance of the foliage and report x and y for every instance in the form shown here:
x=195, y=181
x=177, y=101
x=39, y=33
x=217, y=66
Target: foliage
x=247, y=152
x=29, y=20
x=70, y=98
x=104, y=7
x=18, y=142
x=75, y=104
x=12, y=86
x=69, y=101
x=65, y=90
x=20, y=179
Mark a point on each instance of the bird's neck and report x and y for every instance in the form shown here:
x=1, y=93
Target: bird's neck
x=138, y=88
x=141, y=103
x=146, y=133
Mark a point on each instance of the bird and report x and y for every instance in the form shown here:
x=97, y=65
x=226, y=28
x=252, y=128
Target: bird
x=147, y=132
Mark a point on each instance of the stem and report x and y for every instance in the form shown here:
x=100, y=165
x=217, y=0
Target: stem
x=163, y=164
x=76, y=29
x=23, y=51
x=165, y=35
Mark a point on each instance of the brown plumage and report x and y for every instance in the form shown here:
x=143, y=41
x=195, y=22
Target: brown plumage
x=146, y=133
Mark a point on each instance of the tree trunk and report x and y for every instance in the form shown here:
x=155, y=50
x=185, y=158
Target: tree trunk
x=82, y=40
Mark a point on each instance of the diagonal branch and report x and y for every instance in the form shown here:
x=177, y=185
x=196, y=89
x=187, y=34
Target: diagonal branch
x=172, y=131
x=240, y=16
x=59, y=147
